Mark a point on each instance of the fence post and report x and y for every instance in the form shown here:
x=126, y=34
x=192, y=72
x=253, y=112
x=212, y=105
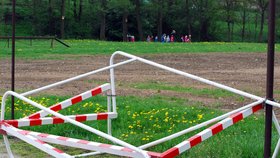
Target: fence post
x=270, y=78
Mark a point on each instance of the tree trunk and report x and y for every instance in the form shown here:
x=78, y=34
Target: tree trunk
x=232, y=31
x=139, y=22
x=50, y=12
x=34, y=17
x=204, y=30
x=261, y=28
x=188, y=21
x=4, y=23
x=243, y=24
x=228, y=33
x=103, y=21
x=159, y=20
x=75, y=10
x=124, y=23
x=256, y=26
x=62, y=19
x=80, y=10
x=1, y=16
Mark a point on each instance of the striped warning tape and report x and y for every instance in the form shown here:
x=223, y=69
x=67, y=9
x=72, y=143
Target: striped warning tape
x=209, y=132
x=33, y=141
x=72, y=101
x=57, y=120
x=84, y=144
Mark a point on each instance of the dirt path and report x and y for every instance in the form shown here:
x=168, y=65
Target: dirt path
x=245, y=71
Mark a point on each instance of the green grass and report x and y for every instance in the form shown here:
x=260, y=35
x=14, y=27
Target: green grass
x=142, y=120
x=203, y=92
x=40, y=49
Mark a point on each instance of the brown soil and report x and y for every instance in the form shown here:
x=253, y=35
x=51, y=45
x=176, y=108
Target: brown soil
x=244, y=71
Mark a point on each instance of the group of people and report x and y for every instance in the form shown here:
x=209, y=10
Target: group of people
x=166, y=38
x=186, y=38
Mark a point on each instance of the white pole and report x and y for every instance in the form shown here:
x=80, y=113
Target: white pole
x=109, y=121
x=7, y=144
x=276, y=150
x=276, y=123
x=175, y=135
x=236, y=91
x=112, y=79
x=88, y=128
x=75, y=78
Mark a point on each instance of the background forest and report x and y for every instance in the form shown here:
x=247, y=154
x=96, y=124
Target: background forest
x=205, y=20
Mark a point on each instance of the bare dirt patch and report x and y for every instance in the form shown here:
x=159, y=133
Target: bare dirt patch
x=245, y=71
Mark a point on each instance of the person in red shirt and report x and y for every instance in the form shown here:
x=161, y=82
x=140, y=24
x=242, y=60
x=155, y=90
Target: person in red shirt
x=171, y=38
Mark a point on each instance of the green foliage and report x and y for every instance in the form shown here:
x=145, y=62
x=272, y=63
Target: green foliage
x=207, y=19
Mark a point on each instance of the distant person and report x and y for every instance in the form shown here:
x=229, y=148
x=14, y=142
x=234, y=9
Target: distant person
x=156, y=39
x=163, y=38
x=167, y=39
x=132, y=39
x=148, y=38
x=186, y=38
x=128, y=37
x=173, y=33
x=182, y=39
x=172, y=38
x=152, y=38
x=190, y=38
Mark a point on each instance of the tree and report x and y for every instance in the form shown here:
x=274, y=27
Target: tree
x=229, y=8
x=262, y=6
x=205, y=12
x=138, y=18
x=51, y=20
x=123, y=9
x=62, y=18
x=103, y=20
x=80, y=10
x=188, y=17
x=159, y=18
x=75, y=10
x=244, y=6
x=2, y=14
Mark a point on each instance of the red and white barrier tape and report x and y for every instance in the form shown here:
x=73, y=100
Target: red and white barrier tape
x=84, y=144
x=57, y=120
x=72, y=101
x=209, y=132
x=33, y=141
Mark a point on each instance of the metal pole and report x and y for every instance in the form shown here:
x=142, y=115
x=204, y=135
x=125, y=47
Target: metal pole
x=13, y=57
x=270, y=77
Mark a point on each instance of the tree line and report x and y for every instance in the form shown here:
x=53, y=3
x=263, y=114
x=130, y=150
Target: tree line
x=205, y=20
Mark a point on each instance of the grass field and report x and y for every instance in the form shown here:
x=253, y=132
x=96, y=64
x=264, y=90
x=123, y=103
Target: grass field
x=41, y=48
x=144, y=119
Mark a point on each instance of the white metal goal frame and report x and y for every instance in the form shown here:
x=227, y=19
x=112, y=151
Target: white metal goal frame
x=40, y=140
